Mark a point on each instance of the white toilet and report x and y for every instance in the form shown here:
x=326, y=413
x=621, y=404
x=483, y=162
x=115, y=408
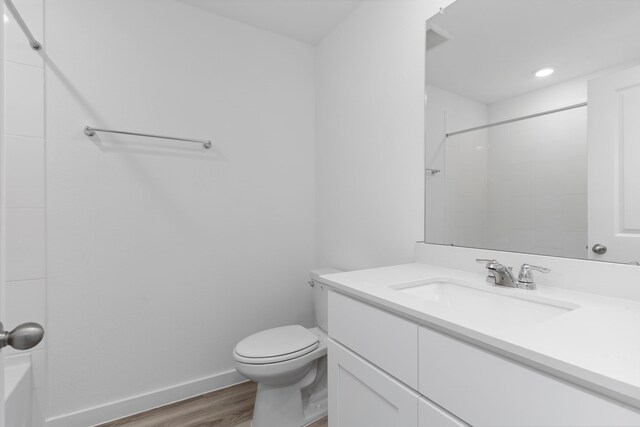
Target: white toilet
x=290, y=366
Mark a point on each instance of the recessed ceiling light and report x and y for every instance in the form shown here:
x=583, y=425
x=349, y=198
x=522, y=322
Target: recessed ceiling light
x=544, y=72
x=6, y=18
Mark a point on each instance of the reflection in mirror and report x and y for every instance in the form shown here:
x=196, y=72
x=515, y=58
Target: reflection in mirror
x=533, y=127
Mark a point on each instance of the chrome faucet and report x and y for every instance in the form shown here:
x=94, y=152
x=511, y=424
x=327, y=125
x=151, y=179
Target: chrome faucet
x=503, y=276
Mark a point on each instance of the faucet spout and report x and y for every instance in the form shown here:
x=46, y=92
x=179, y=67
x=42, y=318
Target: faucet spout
x=503, y=275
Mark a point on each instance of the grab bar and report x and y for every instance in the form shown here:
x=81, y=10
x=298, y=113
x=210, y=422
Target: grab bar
x=35, y=44
x=90, y=131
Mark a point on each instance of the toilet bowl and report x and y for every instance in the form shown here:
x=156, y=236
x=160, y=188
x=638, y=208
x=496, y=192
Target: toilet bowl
x=290, y=366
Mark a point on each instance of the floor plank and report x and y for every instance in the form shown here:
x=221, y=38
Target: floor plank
x=224, y=408
x=322, y=422
x=230, y=407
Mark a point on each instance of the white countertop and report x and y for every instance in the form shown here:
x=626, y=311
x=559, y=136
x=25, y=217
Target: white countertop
x=596, y=345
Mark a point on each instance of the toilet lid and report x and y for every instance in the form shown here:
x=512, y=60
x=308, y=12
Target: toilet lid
x=276, y=345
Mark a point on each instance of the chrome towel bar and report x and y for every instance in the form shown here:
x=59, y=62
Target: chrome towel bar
x=35, y=44
x=90, y=131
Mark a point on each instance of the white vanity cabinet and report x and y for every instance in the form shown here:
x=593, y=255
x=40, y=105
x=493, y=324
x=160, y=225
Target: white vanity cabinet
x=385, y=370
x=363, y=395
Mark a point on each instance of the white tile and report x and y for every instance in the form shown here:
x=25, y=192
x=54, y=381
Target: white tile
x=498, y=203
x=548, y=251
x=549, y=203
x=25, y=244
x=551, y=184
x=549, y=239
x=17, y=48
x=24, y=100
x=25, y=302
x=575, y=243
x=550, y=222
x=549, y=177
x=575, y=175
x=575, y=212
x=522, y=208
x=523, y=241
x=25, y=172
x=573, y=133
x=500, y=222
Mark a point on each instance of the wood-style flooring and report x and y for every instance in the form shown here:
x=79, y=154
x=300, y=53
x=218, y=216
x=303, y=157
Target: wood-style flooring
x=229, y=407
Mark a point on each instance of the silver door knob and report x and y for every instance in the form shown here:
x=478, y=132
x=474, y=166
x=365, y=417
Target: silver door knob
x=599, y=249
x=23, y=337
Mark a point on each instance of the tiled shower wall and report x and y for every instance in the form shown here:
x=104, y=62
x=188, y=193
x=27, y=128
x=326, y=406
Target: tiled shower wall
x=538, y=173
x=519, y=187
x=23, y=157
x=456, y=209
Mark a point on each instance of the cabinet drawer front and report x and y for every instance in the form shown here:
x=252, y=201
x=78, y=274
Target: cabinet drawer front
x=430, y=415
x=388, y=341
x=485, y=389
x=361, y=395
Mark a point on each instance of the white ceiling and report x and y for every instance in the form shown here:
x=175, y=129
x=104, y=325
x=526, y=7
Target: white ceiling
x=497, y=44
x=308, y=21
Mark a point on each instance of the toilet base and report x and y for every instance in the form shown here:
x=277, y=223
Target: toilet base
x=295, y=405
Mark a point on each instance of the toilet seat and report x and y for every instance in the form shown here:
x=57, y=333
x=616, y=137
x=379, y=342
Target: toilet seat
x=276, y=345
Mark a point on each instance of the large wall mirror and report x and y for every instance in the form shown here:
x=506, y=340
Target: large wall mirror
x=533, y=127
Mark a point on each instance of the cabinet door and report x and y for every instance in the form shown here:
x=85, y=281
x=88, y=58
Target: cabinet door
x=431, y=415
x=361, y=395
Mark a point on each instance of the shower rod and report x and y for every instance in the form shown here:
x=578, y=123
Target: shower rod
x=517, y=119
x=35, y=44
x=90, y=131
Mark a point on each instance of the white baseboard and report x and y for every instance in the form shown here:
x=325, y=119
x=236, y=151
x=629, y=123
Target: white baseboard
x=143, y=402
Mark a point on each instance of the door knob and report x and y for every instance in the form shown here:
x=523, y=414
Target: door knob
x=23, y=337
x=599, y=249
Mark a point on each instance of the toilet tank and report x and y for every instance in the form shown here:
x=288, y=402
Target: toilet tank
x=320, y=295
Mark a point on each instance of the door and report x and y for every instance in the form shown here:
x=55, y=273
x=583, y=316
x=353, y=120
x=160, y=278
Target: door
x=614, y=174
x=361, y=395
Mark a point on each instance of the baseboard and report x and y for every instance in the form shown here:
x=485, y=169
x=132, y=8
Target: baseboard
x=143, y=402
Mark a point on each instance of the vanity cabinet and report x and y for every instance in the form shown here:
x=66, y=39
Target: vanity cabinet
x=363, y=395
x=385, y=370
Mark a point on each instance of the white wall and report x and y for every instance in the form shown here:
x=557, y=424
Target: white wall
x=538, y=173
x=162, y=255
x=370, y=134
x=456, y=206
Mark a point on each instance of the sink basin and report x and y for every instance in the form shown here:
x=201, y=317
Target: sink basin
x=490, y=306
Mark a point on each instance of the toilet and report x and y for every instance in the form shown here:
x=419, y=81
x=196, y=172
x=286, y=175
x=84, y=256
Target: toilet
x=289, y=364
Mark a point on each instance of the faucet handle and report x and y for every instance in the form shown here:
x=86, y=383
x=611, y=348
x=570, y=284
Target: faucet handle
x=535, y=267
x=489, y=263
x=525, y=277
